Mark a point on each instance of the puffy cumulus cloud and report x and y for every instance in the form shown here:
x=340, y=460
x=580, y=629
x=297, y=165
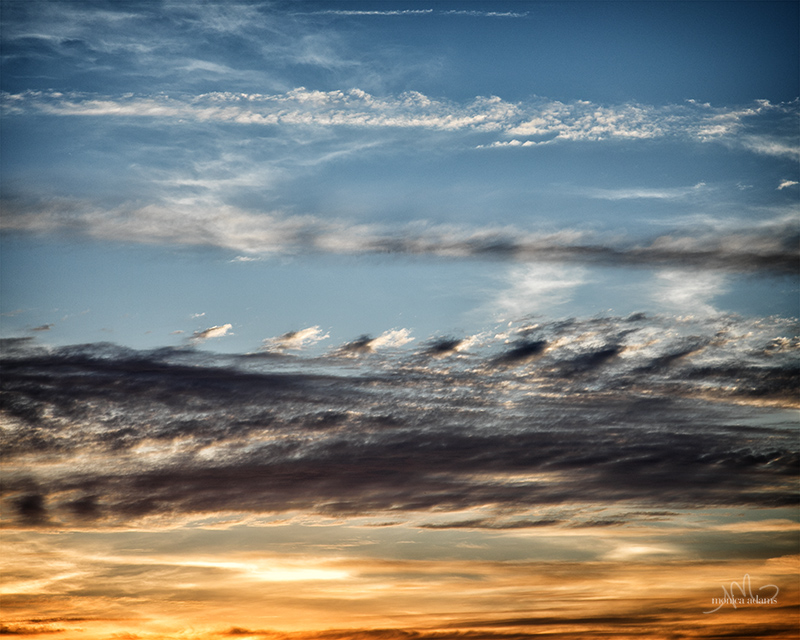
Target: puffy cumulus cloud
x=525, y=123
x=295, y=340
x=212, y=332
x=548, y=415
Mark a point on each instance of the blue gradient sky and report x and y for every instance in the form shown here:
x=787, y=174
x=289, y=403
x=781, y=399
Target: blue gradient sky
x=649, y=126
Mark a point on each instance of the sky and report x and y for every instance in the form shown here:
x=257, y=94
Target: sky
x=383, y=320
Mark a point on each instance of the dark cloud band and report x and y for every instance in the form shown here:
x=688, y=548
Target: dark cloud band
x=538, y=423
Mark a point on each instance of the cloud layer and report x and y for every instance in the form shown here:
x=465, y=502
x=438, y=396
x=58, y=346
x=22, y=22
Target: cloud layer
x=534, y=419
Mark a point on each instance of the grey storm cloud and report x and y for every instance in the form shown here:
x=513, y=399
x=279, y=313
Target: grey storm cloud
x=592, y=412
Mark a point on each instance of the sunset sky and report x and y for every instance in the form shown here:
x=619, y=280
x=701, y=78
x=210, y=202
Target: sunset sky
x=399, y=320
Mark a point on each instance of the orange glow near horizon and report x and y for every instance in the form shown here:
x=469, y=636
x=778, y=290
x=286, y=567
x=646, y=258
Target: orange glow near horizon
x=87, y=585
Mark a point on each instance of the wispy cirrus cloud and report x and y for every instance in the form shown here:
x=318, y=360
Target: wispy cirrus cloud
x=642, y=193
x=536, y=288
x=689, y=291
x=420, y=12
x=364, y=12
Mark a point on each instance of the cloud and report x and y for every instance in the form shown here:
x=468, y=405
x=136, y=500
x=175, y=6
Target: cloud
x=355, y=12
x=392, y=338
x=360, y=345
x=785, y=184
x=420, y=12
x=447, y=346
x=486, y=14
x=769, y=245
x=522, y=352
x=299, y=107
x=367, y=344
x=690, y=292
x=212, y=332
x=294, y=340
x=540, y=121
x=594, y=411
x=44, y=327
x=23, y=630
x=536, y=288
x=675, y=193
x=492, y=523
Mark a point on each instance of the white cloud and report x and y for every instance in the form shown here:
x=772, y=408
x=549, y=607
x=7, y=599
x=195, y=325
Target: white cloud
x=785, y=184
x=393, y=338
x=298, y=107
x=770, y=146
x=527, y=124
x=294, y=340
x=688, y=292
x=355, y=12
x=420, y=12
x=536, y=288
x=212, y=332
x=671, y=193
x=583, y=120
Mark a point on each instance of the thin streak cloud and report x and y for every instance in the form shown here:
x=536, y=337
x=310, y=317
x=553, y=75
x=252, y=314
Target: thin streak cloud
x=769, y=246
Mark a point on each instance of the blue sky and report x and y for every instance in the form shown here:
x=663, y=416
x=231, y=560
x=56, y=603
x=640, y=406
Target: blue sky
x=263, y=163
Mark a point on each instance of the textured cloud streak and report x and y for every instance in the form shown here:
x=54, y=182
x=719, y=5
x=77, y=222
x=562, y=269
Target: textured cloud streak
x=770, y=246
x=525, y=124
